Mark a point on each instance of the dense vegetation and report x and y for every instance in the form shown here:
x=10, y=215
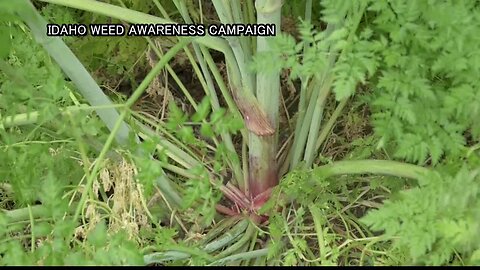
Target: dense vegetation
x=350, y=138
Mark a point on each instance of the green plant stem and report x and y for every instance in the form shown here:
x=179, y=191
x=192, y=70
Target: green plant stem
x=219, y=228
x=32, y=117
x=317, y=218
x=32, y=228
x=263, y=167
x=160, y=257
x=305, y=110
x=312, y=111
x=250, y=10
x=240, y=243
x=189, y=162
x=329, y=125
x=316, y=120
x=224, y=11
x=372, y=166
x=296, y=150
x=369, y=166
x=242, y=256
x=23, y=214
x=227, y=238
x=245, y=41
x=308, y=11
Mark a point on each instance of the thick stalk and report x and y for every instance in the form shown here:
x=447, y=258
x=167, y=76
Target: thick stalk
x=263, y=149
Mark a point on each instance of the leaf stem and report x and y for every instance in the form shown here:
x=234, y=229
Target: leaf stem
x=372, y=166
x=242, y=256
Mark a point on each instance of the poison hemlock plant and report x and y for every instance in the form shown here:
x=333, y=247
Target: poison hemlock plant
x=230, y=183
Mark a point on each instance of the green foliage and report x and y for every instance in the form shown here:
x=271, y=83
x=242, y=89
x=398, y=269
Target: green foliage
x=420, y=58
x=51, y=237
x=436, y=220
x=201, y=189
x=148, y=168
x=289, y=230
x=40, y=163
x=58, y=250
x=425, y=109
x=37, y=85
x=427, y=94
x=30, y=79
